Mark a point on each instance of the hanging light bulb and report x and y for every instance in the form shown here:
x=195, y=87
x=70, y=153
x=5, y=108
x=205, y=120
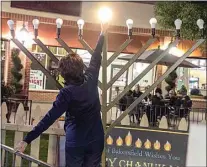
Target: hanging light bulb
x=178, y=24
x=129, y=24
x=153, y=22
x=11, y=27
x=105, y=14
x=80, y=23
x=200, y=24
x=35, y=23
x=59, y=23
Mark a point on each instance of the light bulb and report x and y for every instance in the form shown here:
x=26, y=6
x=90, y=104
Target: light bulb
x=59, y=22
x=153, y=22
x=200, y=23
x=35, y=23
x=178, y=23
x=10, y=24
x=105, y=14
x=80, y=23
x=129, y=23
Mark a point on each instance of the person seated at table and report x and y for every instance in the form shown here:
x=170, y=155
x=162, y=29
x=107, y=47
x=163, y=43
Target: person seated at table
x=149, y=96
x=157, y=105
x=122, y=103
x=171, y=105
x=171, y=96
x=137, y=92
x=184, y=104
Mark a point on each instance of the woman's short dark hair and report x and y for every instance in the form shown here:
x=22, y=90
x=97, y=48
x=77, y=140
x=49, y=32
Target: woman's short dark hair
x=158, y=90
x=71, y=68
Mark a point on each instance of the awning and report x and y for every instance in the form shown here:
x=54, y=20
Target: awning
x=150, y=55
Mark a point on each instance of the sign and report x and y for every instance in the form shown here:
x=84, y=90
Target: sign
x=140, y=147
x=36, y=80
x=135, y=147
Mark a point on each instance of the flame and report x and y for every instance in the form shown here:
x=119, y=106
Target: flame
x=109, y=140
x=147, y=144
x=138, y=143
x=119, y=141
x=157, y=145
x=128, y=139
x=167, y=146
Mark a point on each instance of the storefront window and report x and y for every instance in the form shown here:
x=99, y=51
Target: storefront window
x=193, y=77
x=197, y=76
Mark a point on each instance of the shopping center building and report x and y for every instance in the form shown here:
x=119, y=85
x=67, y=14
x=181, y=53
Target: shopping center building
x=39, y=88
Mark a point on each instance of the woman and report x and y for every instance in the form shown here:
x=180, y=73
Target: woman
x=129, y=101
x=80, y=100
x=157, y=106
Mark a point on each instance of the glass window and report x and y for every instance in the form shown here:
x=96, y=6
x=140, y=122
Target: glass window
x=197, y=76
x=53, y=49
x=147, y=79
x=62, y=51
x=193, y=77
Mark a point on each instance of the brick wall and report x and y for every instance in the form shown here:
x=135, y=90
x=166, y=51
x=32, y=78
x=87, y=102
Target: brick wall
x=27, y=76
x=87, y=26
x=42, y=96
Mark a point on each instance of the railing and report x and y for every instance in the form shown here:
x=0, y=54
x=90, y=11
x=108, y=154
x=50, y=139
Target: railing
x=12, y=108
x=8, y=150
x=154, y=114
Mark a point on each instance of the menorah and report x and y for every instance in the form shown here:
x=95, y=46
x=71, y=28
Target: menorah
x=104, y=85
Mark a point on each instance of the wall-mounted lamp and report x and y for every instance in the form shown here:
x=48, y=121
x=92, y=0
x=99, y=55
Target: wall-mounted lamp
x=200, y=24
x=35, y=23
x=80, y=23
x=23, y=34
x=129, y=24
x=11, y=27
x=59, y=23
x=153, y=22
x=178, y=24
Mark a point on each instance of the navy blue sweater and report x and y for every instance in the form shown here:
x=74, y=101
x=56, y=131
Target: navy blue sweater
x=82, y=106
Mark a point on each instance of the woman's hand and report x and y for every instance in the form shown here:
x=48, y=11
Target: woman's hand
x=104, y=28
x=20, y=147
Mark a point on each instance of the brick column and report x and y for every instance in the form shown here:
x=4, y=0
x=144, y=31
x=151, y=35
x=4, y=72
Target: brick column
x=27, y=77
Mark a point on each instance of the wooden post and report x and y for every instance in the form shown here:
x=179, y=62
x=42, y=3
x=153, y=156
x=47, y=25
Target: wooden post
x=144, y=121
x=163, y=123
x=3, y=131
x=19, y=135
x=52, y=155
